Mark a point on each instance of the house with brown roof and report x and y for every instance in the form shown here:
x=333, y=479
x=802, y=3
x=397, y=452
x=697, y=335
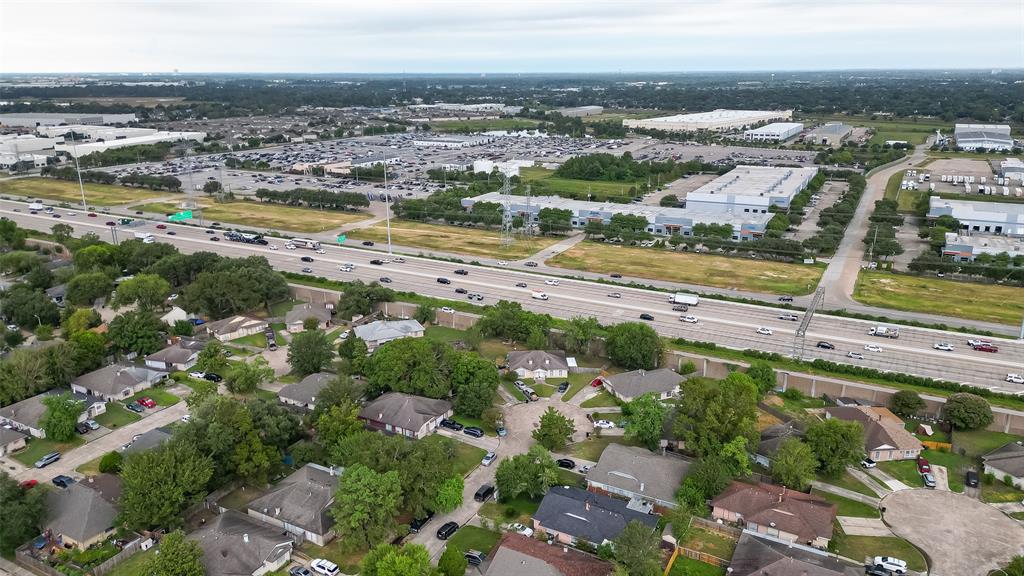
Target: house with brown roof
x=776, y=511
x=518, y=555
x=295, y=319
x=405, y=414
x=885, y=438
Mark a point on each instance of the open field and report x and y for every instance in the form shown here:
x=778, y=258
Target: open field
x=886, y=134
x=482, y=124
x=455, y=239
x=620, y=116
x=64, y=191
x=987, y=302
x=703, y=269
x=860, y=547
x=259, y=215
x=144, y=101
x=543, y=181
x=905, y=199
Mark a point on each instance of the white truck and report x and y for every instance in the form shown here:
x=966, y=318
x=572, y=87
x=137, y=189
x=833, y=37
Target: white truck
x=884, y=332
x=683, y=298
x=539, y=295
x=35, y=206
x=146, y=237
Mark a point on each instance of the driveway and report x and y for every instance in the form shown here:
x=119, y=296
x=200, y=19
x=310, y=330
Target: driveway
x=941, y=477
x=959, y=534
x=853, y=526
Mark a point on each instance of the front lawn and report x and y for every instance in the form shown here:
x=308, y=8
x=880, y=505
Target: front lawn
x=160, y=396
x=903, y=470
x=860, y=547
x=847, y=507
x=117, y=415
x=602, y=400
x=39, y=447
x=577, y=382
x=519, y=509
x=592, y=448
x=467, y=456
x=511, y=389
x=255, y=340
x=474, y=538
x=348, y=562
x=1000, y=492
x=848, y=481
x=906, y=470
x=570, y=478
x=90, y=468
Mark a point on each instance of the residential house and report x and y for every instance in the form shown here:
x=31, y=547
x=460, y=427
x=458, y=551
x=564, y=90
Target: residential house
x=78, y=517
x=175, y=314
x=628, y=386
x=380, y=332
x=538, y=364
x=235, y=544
x=570, y=515
x=304, y=393
x=108, y=486
x=518, y=555
x=148, y=440
x=759, y=555
x=117, y=381
x=776, y=511
x=25, y=415
x=771, y=438
x=1007, y=461
x=56, y=294
x=11, y=440
x=174, y=358
x=295, y=319
x=405, y=414
x=647, y=480
x=885, y=438
x=301, y=504
x=235, y=327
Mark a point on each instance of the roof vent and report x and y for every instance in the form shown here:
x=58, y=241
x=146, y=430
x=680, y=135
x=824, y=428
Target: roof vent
x=245, y=538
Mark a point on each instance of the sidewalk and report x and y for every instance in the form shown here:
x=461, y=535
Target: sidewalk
x=868, y=481
x=888, y=480
x=838, y=491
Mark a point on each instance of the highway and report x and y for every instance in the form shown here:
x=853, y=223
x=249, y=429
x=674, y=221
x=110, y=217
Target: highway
x=729, y=324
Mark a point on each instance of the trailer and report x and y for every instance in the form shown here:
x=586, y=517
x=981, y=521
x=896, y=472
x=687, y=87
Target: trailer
x=146, y=237
x=884, y=332
x=684, y=298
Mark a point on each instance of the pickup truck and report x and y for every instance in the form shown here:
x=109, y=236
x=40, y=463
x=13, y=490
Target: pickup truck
x=884, y=332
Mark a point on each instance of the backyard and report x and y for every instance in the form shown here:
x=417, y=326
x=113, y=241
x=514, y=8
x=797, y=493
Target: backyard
x=684, y=566
x=970, y=300
x=709, y=542
x=704, y=269
x=64, y=191
x=976, y=443
x=452, y=239
x=260, y=215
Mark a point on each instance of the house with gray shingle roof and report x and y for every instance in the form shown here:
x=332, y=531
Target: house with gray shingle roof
x=629, y=386
x=235, y=544
x=305, y=392
x=301, y=504
x=117, y=381
x=538, y=364
x=148, y=440
x=11, y=440
x=79, y=517
x=173, y=358
x=296, y=317
x=571, y=515
x=381, y=332
x=25, y=415
x=405, y=414
x=771, y=438
x=235, y=327
x=1006, y=461
x=757, y=555
x=647, y=479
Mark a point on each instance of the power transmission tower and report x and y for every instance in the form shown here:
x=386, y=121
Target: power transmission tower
x=506, y=212
x=800, y=338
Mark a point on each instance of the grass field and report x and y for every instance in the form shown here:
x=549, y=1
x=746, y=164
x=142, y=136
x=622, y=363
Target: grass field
x=161, y=397
x=979, y=442
x=483, y=125
x=850, y=483
x=454, y=239
x=474, y=538
x=592, y=448
x=62, y=190
x=847, y=507
x=905, y=199
x=860, y=547
x=543, y=181
x=602, y=400
x=259, y=215
x=988, y=302
x=684, y=566
x=885, y=134
x=116, y=415
x=1000, y=492
x=39, y=447
x=703, y=269
x=710, y=543
x=522, y=509
x=90, y=468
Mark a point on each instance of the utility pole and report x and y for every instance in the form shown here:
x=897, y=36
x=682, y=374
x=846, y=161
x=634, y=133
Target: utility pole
x=78, y=170
x=387, y=200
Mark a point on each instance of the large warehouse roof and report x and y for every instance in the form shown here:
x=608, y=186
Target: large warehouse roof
x=771, y=181
x=714, y=120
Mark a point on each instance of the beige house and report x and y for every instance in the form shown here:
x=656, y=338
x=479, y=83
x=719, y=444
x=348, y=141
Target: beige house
x=885, y=438
x=11, y=440
x=235, y=327
x=405, y=414
x=78, y=517
x=117, y=381
x=628, y=386
x=25, y=415
x=538, y=364
x=295, y=319
x=303, y=394
x=777, y=512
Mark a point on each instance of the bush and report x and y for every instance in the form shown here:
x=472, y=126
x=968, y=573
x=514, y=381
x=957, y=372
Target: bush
x=792, y=394
x=688, y=367
x=111, y=463
x=510, y=512
x=988, y=478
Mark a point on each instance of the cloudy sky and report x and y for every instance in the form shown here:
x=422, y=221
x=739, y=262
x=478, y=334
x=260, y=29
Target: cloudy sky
x=507, y=36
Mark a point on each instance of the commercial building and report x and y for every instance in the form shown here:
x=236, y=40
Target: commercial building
x=967, y=248
x=27, y=143
x=374, y=160
x=95, y=132
x=986, y=136
x=77, y=149
x=829, y=134
x=992, y=217
x=716, y=120
x=750, y=189
x=453, y=141
x=663, y=221
x=580, y=111
x=1012, y=168
x=774, y=132
x=31, y=120
x=508, y=167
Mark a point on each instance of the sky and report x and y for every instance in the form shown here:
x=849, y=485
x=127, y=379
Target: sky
x=523, y=36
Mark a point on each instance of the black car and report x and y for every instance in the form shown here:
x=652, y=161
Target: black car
x=385, y=280
x=473, y=431
x=211, y=231
x=566, y=463
x=135, y=407
x=646, y=317
x=82, y=428
x=826, y=345
x=367, y=243
x=443, y=281
x=172, y=233
x=451, y=424
x=520, y=284
x=212, y=377
x=306, y=259
x=214, y=239
x=972, y=478
x=785, y=298
x=139, y=212
x=377, y=262
x=418, y=523
x=484, y=493
x=461, y=291
x=870, y=570
x=63, y=481
x=446, y=530
x=531, y=264
x=563, y=387
x=462, y=272
x=616, y=275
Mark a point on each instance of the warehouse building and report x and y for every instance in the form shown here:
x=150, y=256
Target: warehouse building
x=829, y=134
x=987, y=217
x=580, y=111
x=375, y=159
x=508, y=167
x=1012, y=168
x=78, y=149
x=27, y=143
x=751, y=189
x=774, y=132
x=986, y=136
x=717, y=120
x=32, y=120
x=967, y=248
x=452, y=142
x=95, y=132
x=661, y=220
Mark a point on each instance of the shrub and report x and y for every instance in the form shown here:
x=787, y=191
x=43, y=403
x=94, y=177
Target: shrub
x=111, y=463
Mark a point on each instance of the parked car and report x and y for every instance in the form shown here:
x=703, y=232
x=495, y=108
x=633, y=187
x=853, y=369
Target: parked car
x=92, y=424
x=604, y=424
x=446, y=530
x=419, y=523
x=972, y=478
x=929, y=480
x=473, y=431
x=475, y=557
x=923, y=466
x=135, y=407
x=82, y=428
x=870, y=570
x=451, y=424
x=489, y=458
x=563, y=387
x=867, y=463
x=26, y=484
x=197, y=374
x=501, y=431
x=566, y=463
x=889, y=563
x=484, y=493
x=212, y=377
x=147, y=402
x=299, y=571
x=520, y=529
x=63, y=481
x=325, y=567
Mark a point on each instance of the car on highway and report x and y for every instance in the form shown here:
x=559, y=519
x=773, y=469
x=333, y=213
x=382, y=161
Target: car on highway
x=461, y=291
x=1015, y=378
x=443, y=280
x=825, y=345
x=451, y=424
x=502, y=263
x=604, y=424
x=531, y=264
x=367, y=243
x=972, y=342
x=92, y=214
x=306, y=259
x=56, y=215
x=321, y=251
x=944, y=346
x=477, y=297
x=111, y=223
x=566, y=463
x=788, y=317
x=399, y=260
x=765, y=331
x=214, y=239
x=448, y=309
x=986, y=348
x=489, y=459
x=385, y=280
x=551, y=282
x=688, y=319
x=161, y=226
x=520, y=284
x=147, y=402
x=615, y=275
x=785, y=298
x=646, y=316
x=855, y=355
x=377, y=262
x=462, y=272
x=446, y=530
x=325, y=567
x=419, y=523
x=473, y=431
x=47, y=460
x=867, y=463
x=615, y=295
x=211, y=231
x=872, y=347
x=62, y=481
x=172, y=233
x=307, y=270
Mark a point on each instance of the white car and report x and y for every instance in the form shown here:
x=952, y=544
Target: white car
x=273, y=246
x=186, y=417
x=72, y=213
x=197, y=375
x=872, y=347
x=688, y=319
x=399, y=260
x=448, y=309
x=944, y=346
x=289, y=246
x=489, y=458
x=502, y=263
x=615, y=295
x=345, y=334
x=889, y=563
x=1015, y=378
x=520, y=529
x=346, y=268
x=977, y=342
x=551, y=282
x=325, y=567
x=173, y=297
x=321, y=251
x=764, y=331
x=604, y=424
x=12, y=327
x=855, y=355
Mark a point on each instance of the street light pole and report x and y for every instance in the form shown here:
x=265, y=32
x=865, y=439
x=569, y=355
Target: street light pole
x=387, y=201
x=78, y=170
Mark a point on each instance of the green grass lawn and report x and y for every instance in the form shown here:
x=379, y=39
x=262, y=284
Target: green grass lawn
x=592, y=448
x=884, y=134
x=544, y=181
x=90, y=468
x=467, y=421
x=684, y=566
x=133, y=566
x=602, y=400
x=999, y=492
x=577, y=382
x=348, y=562
x=1017, y=515
x=265, y=215
x=61, y=190
x=709, y=542
x=570, y=478
x=905, y=199
x=511, y=389
x=254, y=340
x=860, y=547
x=467, y=457
x=475, y=538
x=980, y=442
x=283, y=307
x=117, y=415
x=903, y=470
x=850, y=483
x=159, y=395
x=39, y=447
x=444, y=334
x=847, y=507
x=239, y=498
x=521, y=508
x=987, y=302
x=483, y=125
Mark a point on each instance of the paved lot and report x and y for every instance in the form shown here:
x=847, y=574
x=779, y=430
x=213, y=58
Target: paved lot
x=960, y=535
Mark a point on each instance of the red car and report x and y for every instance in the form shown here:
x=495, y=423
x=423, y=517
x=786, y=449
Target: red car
x=92, y=214
x=28, y=484
x=161, y=226
x=986, y=348
x=147, y=402
x=922, y=466
x=596, y=382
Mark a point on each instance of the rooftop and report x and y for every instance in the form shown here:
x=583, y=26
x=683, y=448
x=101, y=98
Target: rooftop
x=807, y=516
x=976, y=210
x=987, y=243
x=404, y=410
x=235, y=544
x=78, y=512
x=639, y=382
x=518, y=555
x=592, y=517
x=302, y=499
x=306, y=390
x=387, y=330
x=882, y=428
x=759, y=181
x=775, y=127
x=537, y=360
x=1009, y=458
x=114, y=379
x=756, y=555
x=640, y=471
x=717, y=115
x=28, y=411
x=304, y=310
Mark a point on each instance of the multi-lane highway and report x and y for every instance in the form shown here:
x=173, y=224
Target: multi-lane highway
x=726, y=323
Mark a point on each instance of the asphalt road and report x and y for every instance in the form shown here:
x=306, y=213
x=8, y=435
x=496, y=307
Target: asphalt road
x=729, y=324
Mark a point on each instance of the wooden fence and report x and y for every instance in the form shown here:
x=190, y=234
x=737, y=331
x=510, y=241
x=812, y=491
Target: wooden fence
x=127, y=552
x=704, y=557
x=941, y=446
x=712, y=526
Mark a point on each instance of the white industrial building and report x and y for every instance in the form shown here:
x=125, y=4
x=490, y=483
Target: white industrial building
x=661, y=220
x=94, y=132
x=1012, y=168
x=452, y=142
x=774, y=132
x=750, y=189
x=78, y=149
x=375, y=159
x=27, y=143
x=986, y=217
x=580, y=111
x=508, y=167
x=967, y=248
x=32, y=120
x=829, y=134
x=717, y=120
x=987, y=136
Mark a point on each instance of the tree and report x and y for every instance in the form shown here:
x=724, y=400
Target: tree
x=158, y=484
x=1016, y=566
x=61, y=232
x=60, y=417
x=338, y=422
x=763, y=376
x=794, y=464
x=836, y=443
x=475, y=382
x=638, y=549
x=360, y=298
x=579, y=333
x=646, y=420
x=147, y=291
x=452, y=562
x=83, y=289
x=246, y=377
x=88, y=351
x=178, y=556
x=411, y=365
x=309, y=352
x=508, y=320
x=111, y=462
x=554, y=431
x=80, y=320
x=365, y=506
x=223, y=428
x=633, y=346
x=182, y=328
x=425, y=314
x=26, y=306
x=212, y=358
x=709, y=414
x=906, y=403
x=449, y=494
x=339, y=390
x=24, y=511
x=212, y=187
x=138, y=332
x=967, y=411
x=531, y=474
x=278, y=426
x=388, y=560
x=201, y=390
